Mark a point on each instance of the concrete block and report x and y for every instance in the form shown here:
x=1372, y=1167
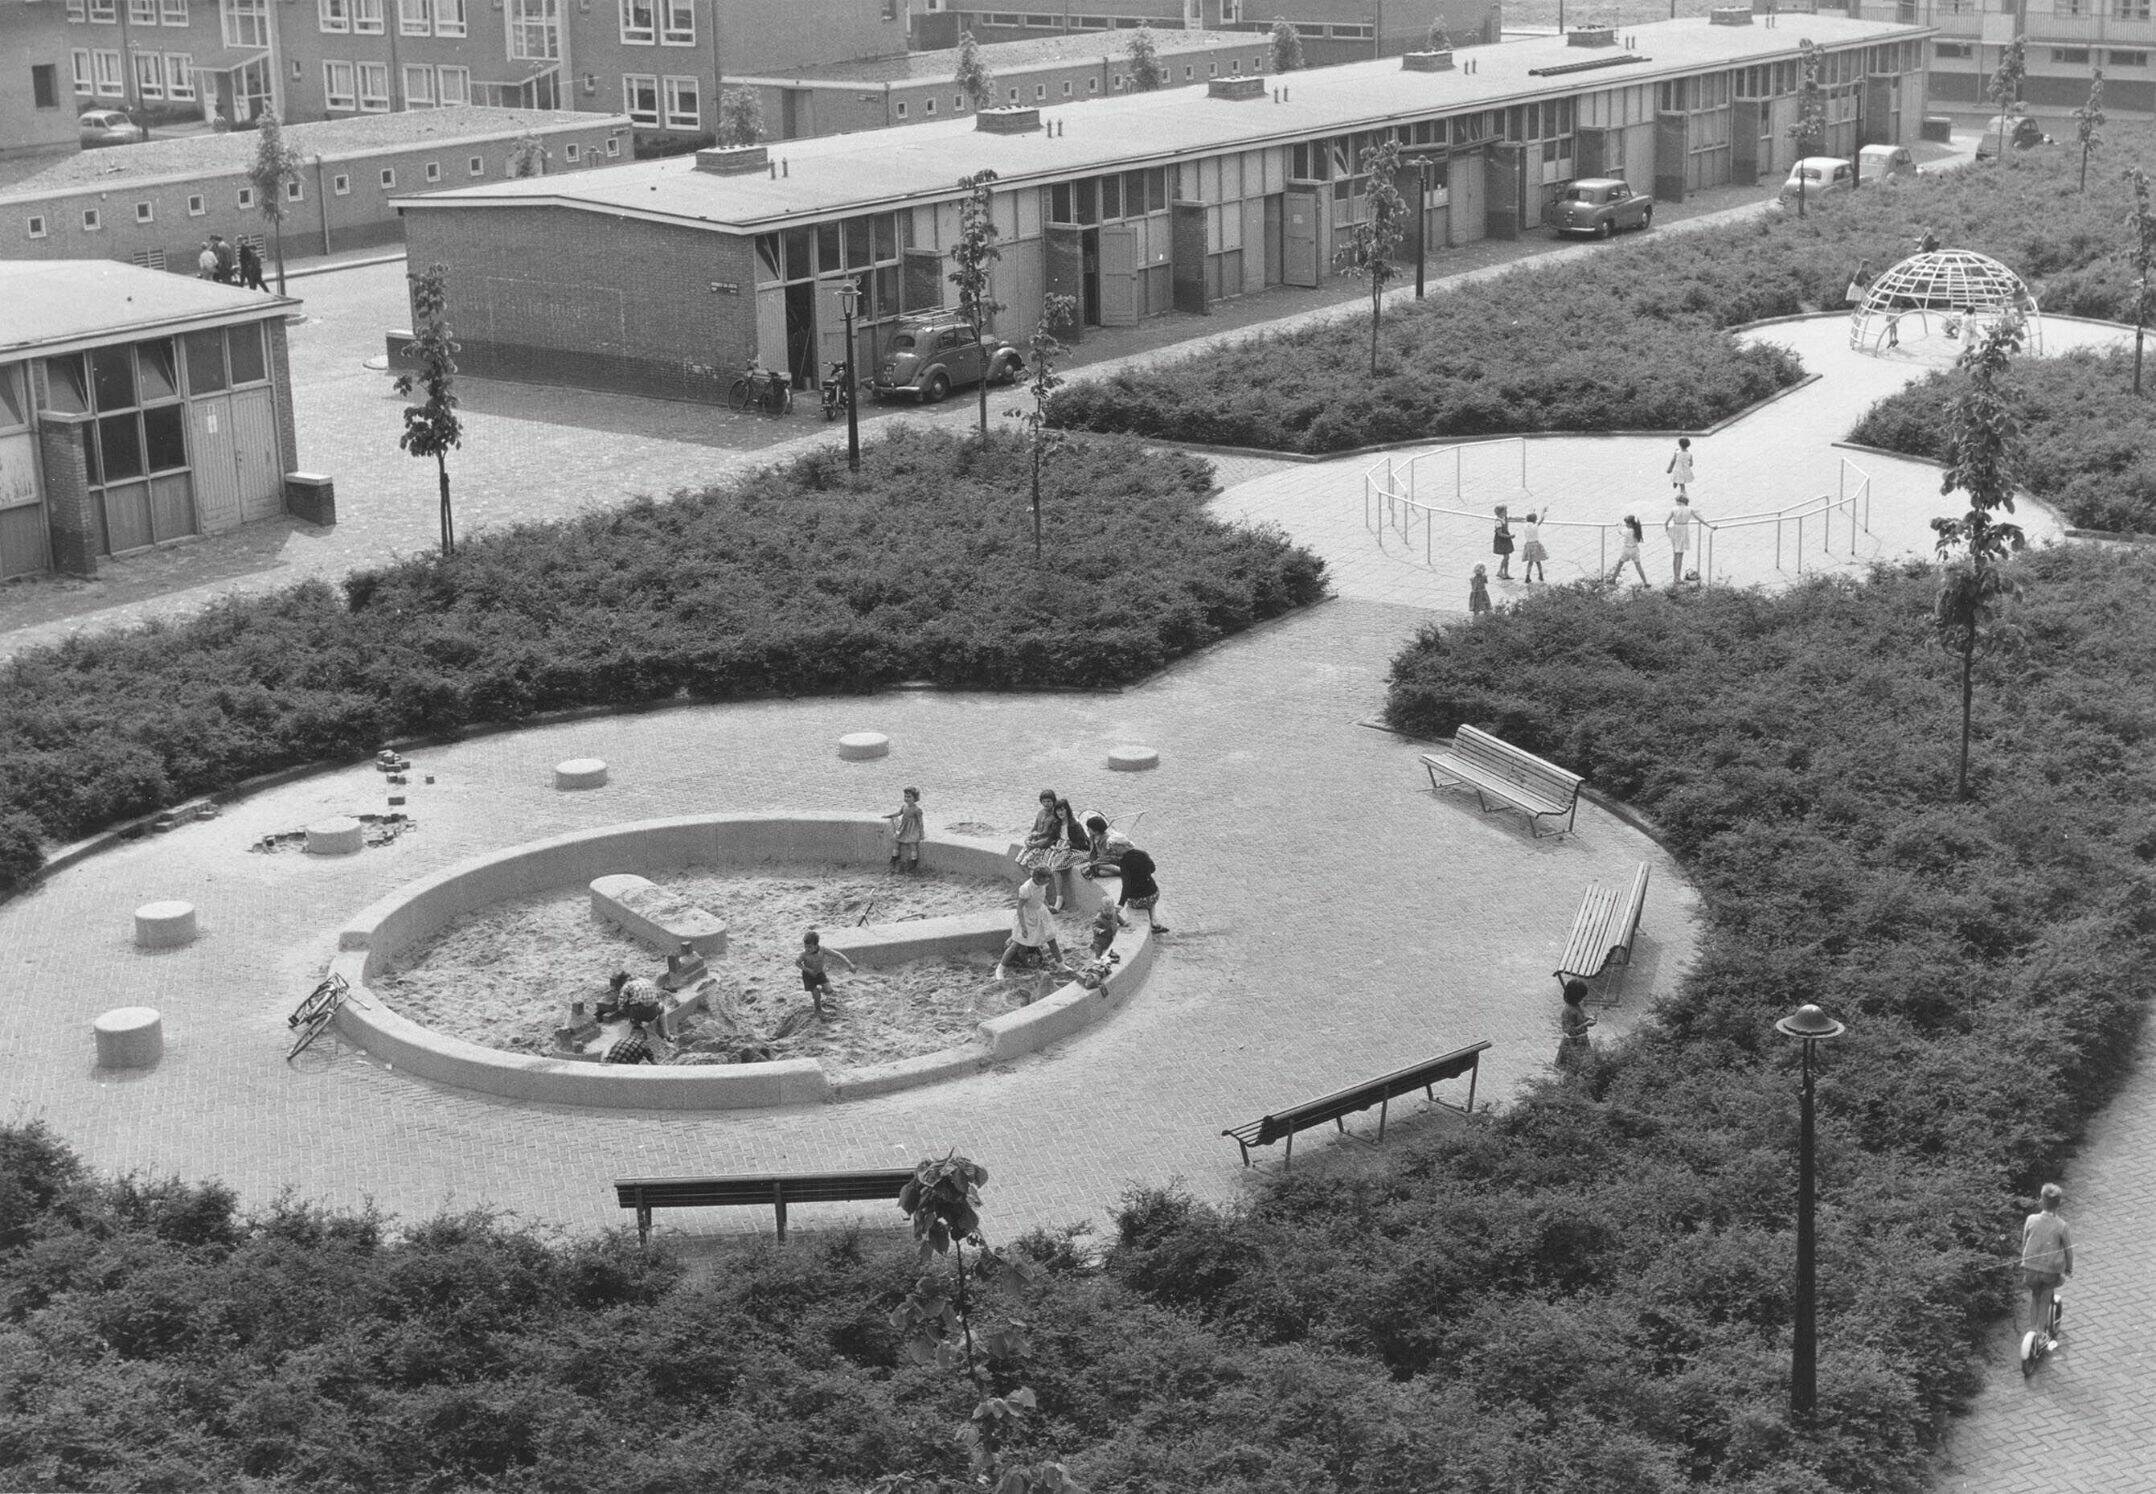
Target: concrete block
x=1131, y=759
x=337, y=836
x=580, y=773
x=165, y=925
x=130, y=1037
x=662, y=919
x=860, y=746
x=877, y=945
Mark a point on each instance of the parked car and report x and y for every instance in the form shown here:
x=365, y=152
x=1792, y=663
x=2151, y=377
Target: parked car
x=106, y=127
x=1815, y=175
x=2018, y=130
x=1599, y=205
x=930, y=356
x=1885, y=163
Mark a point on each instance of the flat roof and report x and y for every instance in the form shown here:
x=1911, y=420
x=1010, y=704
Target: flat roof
x=1065, y=50
x=227, y=152
x=60, y=305
x=879, y=170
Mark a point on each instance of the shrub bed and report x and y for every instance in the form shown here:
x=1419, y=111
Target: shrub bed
x=795, y=580
x=1633, y=335
x=2091, y=441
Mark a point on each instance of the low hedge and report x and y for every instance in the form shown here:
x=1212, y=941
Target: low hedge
x=1632, y=336
x=795, y=580
x=2091, y=441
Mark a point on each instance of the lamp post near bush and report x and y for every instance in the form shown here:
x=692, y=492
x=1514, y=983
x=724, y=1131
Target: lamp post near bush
x=1809, y=1025
x=849, y=304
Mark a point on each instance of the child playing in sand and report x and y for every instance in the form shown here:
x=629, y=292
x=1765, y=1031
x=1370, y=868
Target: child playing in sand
x=1478, y=592
x=1105, y=923
x=906, y=828
x=813, y=979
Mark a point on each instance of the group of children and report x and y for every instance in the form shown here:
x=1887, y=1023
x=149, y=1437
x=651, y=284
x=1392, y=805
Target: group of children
x=1533, y=553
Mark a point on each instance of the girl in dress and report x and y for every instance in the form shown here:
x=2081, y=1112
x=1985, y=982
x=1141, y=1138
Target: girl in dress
x=1631, y=534
x=1531, y=551
x=1478, y=592
x=1573, y=1043
x=1501, y=544
x=1070, y=849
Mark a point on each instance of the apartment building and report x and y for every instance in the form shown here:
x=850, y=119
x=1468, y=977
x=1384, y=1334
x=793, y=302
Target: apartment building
x=2067, y=40
x=1331, y=30
x=37, y=116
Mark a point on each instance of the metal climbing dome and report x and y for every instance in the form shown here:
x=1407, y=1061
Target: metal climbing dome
x=1959, y=287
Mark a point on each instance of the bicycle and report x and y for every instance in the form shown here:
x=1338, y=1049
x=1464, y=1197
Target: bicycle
x=762, y=389
x=315, y=1013
x=2037, y=1346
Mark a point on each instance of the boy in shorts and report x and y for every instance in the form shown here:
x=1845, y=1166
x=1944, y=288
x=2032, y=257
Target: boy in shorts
x=2047, y=1259
x=813, y=979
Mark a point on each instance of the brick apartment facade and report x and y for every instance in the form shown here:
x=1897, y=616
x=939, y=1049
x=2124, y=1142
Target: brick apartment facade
x=2067, y=40
x=37, y=102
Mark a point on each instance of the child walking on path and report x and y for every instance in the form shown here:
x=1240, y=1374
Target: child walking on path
x=1501, y=544
x=1478, y=592
x=1632, y=534
x=906, y=832
x=814, y=979
x=1680, y=467
x=1573, y=1043
x=1531, y=551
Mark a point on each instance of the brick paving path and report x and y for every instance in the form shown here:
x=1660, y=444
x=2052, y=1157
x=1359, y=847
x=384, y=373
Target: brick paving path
x=1332, y=919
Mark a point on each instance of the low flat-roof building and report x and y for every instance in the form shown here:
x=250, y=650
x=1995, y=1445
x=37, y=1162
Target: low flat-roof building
x=135, y=408
x=664, y=277
x=153, y=204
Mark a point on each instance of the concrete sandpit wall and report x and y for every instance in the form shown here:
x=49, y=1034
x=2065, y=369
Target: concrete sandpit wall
x=372, y=938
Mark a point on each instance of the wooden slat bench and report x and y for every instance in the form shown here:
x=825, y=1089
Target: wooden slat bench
x=646, y=1194
x=1602, y=935
x=1380, y=1092
x=1513, y=778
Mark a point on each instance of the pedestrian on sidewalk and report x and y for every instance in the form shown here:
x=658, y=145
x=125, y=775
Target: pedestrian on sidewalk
x=1501, y=544
x=2047, y=1259
x=251, y=267
x=228, y=265
x=1679, y=526
x=206, y=262
x=1632, y=534
x=1478, y=592
x=1680, y=467
x=1531, y=552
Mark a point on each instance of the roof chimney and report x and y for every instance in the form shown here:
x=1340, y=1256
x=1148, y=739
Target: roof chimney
x=1730, y=15
x=733, y=160
x=1235, y=88
x=1593, y=36
x=1011, y=119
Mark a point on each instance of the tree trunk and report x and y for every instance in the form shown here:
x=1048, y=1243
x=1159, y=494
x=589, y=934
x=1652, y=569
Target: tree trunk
x=1377, y=304
x=1036, y=504
x=2084, y=171
x=984, y=406
x=277, y=238
x=1968, y=695
x=449, y=532
x=2139, y=330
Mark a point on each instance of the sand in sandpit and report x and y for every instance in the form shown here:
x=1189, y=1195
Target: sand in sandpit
x=504, y=976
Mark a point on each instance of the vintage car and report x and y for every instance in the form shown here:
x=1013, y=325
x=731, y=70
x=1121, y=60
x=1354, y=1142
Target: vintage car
x=927, y=357
x=1886, y=163
x=1599, y=205
x=2016, y=129
x=1815, y=176
x=97, y=127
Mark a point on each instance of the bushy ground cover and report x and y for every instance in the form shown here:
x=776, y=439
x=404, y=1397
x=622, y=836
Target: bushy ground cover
x=1632, y=336
x=1589, y=1291
x=2091, y=442
x=793, y=581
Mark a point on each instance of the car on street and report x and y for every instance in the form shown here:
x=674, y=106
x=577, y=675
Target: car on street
x=1815, y=176
x=2018, y=130
x=929, y=356
x=99, y=127
x=1886, y=163
x=1598, y=205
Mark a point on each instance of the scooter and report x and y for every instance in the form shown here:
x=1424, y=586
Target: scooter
x=836, y=396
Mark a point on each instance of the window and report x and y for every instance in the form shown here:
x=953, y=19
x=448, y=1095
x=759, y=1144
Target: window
x=2128, y=59
x=374, y=87
x=104, y=12
x=81, y=58
x=1040, y=93
x=1066, y=88
x=106, y=66
x=246, y=22
x=448, y=19
x=476, y=166
x=334, y=15
x=78, y=11
x=434, y=171
x=295, y=191
x=90, y=220
x=901, y=110
x=2133, y=10
x=419, y=88
x=145, y=212
x=1092, y=85
x=2078, y=56
x=339, y=91
x=149, y=74
x=928, y=107
x=1951, y=49
x=534, y=30
x=680, y=23
x=1212, y=70
x=142, y=12
x=613, y=145
x=341, y=184
x=639, y=22
x=414, y=18
x=453, y=85
x=389, y=178
x=367, y=17
x=640, y=98
x=244, y=198
x=196, y=207
x=173, y=12
x=1014, y=95
x=683, y=110
x=45, y=85
x=35, y=223
x=179, y=75
x=572, y=153
x=249, y=365
x=1189, y=72
x=958, y=103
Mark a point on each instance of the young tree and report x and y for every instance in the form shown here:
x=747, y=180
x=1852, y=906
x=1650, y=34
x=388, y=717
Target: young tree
x=528, y=157
x=1287, y=46
x=973, y=78
x=276, y=167
x=1810, y=125
x=741, y=117
x=1043, y=441
x=432, y=429
x=1147, y=71
x=1440, y=40
x=2006, y=81
x=1984, y=457
x=2143, y=223
x=973, y=259
x=939, y=1321
x=2089, y=124
x=1372, y=242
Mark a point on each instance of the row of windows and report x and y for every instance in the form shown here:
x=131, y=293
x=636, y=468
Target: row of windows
x=650, y=100
x=667, y=23
x=2124, y=10
x=139, y=12
x=414, y=17
x=2083, y=56
x=158, y=75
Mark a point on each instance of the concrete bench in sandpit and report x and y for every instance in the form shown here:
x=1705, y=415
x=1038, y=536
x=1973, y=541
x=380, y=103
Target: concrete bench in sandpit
x=877, y=945
x=663, y=919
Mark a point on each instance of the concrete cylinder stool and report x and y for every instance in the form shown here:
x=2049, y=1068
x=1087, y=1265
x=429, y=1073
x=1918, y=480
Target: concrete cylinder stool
x=580, y=773
x=1132, y=759
x=337, y=836
x=164, y=925
x=860, y=746
x=130, y=1037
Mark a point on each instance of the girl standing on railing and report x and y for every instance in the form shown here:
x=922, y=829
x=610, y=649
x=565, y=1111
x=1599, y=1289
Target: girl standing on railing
x=1531, y=552
x=1632, y=534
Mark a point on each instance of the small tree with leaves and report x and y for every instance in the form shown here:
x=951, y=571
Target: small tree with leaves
x=1984, y=457
x=1147, y=71
x=2143, y=223
x=939, y=1320
x=2006, y=80
x=432, y=429
x=1809, y=128
x=1043, y=441
x=973, y=259
x=973, y=77
x=2089, y=124
x=1439, y=39
x=741, y=117
x=529, y=156
x=274, y=171
x=1373, y=241
x=1287, y=46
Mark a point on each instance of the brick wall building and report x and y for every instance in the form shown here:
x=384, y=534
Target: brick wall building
x=1331, y=30
x=37, y=102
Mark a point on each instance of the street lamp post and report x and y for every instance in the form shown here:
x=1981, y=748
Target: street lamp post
x=849, y=304
x=1809, y=1025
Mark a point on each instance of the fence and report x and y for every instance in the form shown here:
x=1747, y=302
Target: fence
x=1401, y=495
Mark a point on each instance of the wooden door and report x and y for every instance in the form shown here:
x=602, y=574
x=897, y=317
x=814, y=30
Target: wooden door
x=172, y=506
x=1299, y=261
x=1119, y=287
x=1066, y=276
x=254, y=449
x=210, y=450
